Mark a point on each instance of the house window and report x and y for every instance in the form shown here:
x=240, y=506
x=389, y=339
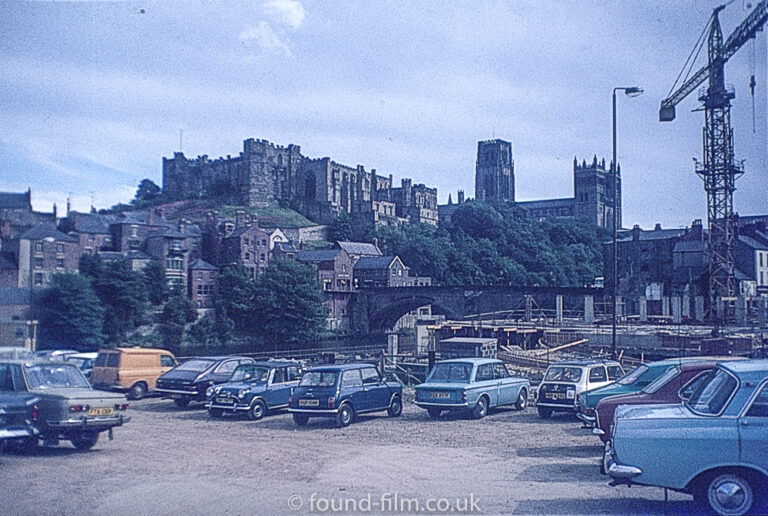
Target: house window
x=343, y=267
x=107, y=240
x=38, y=278
x=60, y=263
x=263, y=242
x=38, y=263
x=38, y=247
x=327, y=284
x=91, y=237
x=262, y=257
x=247, y=241
x=247, y=256
x=134, y=231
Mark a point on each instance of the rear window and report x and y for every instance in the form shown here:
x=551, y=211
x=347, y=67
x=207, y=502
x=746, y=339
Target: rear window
x=318, y=379
x=563, y=374
x=113, y=359
x=195, y=364
x=632, y=376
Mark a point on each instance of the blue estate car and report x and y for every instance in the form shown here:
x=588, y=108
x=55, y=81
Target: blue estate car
x=474, y=384
x=342, y=392
x=713, y=446
x=255, y=389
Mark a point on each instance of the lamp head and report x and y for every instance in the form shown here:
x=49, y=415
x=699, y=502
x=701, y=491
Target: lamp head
x=633, y=91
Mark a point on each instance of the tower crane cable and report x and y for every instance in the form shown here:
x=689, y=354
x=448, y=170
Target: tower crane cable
x=692, y=57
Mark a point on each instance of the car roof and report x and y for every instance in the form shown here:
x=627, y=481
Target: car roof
x=585, y=362
x=33, y=361
x=83, y=355
x=275, y=363
x=472, y=360
x=340, y=367
x=137, y=350
x=220, y=358
x=746, y=366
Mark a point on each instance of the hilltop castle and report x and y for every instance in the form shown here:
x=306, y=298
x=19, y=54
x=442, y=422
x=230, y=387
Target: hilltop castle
x=266, y=174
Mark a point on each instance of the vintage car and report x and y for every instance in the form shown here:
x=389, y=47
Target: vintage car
x=342, y=392
x=69, y=408
x=675, y=385
x=18, y=415
x=713, y=446
x=563, y=381
x=473, y=384
x=634, y=381
x=190, y=380
x=84, y=361
x=255, y=389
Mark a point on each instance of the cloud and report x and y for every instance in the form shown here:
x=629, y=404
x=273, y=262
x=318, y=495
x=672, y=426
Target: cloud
x=288, y=12
x=265, y=37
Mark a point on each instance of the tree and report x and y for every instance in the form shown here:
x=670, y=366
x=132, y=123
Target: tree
x=212, y=330
x=155, y=282
x=177, y=312
x=147, y=191
x=89, y=265
x=237, y=297
x=70, y=314
x=122, y=292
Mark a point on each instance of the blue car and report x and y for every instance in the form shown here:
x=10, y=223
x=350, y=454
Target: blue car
x=473, y=384
x=713, y=446
x=342, y=392
x=255, y=389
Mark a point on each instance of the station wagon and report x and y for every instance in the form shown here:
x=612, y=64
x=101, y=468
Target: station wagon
x=563, y=381
x=472, y=384
x=714, y=446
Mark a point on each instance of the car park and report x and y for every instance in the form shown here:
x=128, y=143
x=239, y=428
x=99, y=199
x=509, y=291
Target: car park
x=563, y=381
x=18, y=415
x=714, y=446
x=674, y=385
x=133, y=371
x=471, y=384
x=634, y=381
x=255, y=389
x=342, y=392
x=84, y=361
x=69, y=408
x=190, y=380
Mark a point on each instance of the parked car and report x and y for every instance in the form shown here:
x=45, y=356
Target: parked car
x=473, y=384
x=674, y=385
x=15, y=352
x=133, y=371
x=713, y=446
x=563, y=381
x=55, y=354
x=190, y=380
x=18, y=415
x=634, y=381
x=84, y=361
x=70, y=408
x=342, y=392
x=255, y=389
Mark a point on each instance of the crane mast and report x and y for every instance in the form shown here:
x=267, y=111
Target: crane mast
x=718, y=168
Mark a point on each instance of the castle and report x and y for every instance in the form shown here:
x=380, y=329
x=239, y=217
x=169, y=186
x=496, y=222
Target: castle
x=593, y=186
x=266, y=174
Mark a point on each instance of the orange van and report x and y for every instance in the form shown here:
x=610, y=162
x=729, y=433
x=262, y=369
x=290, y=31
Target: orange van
x=130, y=370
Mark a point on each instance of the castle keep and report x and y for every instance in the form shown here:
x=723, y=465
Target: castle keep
x=266, y=174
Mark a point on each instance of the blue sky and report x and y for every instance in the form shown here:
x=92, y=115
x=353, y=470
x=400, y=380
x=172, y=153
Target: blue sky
x=95, y=94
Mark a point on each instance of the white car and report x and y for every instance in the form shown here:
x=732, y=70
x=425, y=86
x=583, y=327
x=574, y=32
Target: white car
x=564, y=380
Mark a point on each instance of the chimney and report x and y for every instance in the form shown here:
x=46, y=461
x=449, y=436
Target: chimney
x=657, y=227
x=181, y=226
x=636, y=233
x=254, y=220
x=240, y=219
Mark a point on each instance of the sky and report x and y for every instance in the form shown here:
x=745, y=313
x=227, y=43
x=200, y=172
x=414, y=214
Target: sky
x=95, y=94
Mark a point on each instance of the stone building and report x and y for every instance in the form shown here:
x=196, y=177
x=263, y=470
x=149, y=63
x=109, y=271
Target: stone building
x=202, y=283
x=265, y=174
x=495, y=171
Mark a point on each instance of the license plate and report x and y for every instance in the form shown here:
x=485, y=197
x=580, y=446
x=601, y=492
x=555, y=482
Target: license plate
x=175, y=396
x=556, y=395
x=225, y=401
x=104, y=411
x=309, y=403
x=441, y=395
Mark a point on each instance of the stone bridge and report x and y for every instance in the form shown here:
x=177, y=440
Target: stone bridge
x=375, y=310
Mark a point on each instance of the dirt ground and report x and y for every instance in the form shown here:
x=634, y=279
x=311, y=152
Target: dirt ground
x=173, y=461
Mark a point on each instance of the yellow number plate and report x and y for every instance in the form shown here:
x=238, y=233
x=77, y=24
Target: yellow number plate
x=105, y=411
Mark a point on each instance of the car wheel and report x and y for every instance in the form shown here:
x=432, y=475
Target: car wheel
x=257, y=410
x=85, y=441
x=481, y=409
x=138, y=391
x=544, y=412
x=345, y=415
x=300, y=419
x=395, y=407
x=181, y=402
x=434, y=412
x=522, y=400
x=215, y=412
x=730, y=494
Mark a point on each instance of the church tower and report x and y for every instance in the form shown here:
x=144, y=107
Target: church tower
x=495, y=171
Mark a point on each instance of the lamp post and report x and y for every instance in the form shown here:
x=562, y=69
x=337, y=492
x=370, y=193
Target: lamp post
x=629, y=91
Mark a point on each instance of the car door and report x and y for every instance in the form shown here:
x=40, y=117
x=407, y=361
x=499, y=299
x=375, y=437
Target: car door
x=352, y=389
x=279, y=388
x=376, y=391
x=485, y=382
x=597, y=377
x=753, y=430
x=507, y=387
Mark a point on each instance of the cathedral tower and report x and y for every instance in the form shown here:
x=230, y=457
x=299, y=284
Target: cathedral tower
x=495, y=172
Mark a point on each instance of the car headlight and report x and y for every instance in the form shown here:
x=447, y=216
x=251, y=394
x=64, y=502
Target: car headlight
x=241, y=393
x=209, y=392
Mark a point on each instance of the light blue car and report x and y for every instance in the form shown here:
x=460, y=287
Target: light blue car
x=473, y=384
x=714, y=446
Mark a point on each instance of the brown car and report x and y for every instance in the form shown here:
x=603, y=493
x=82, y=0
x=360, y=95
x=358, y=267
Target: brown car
x=131, y=370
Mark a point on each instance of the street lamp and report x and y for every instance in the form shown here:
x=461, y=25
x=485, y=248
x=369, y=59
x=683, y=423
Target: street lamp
x=629, y=91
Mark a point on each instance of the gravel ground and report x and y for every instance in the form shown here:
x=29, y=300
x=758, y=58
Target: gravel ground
x=172, y=461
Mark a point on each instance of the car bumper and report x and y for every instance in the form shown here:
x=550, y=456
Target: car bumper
x=427, y=404
x=620, y=473
x=589, y=420
x=237, y=407
x=112, y=388
x=310, y=411
x=97, y=423
x=14, y=433
x=558, y=406
x=177, y=393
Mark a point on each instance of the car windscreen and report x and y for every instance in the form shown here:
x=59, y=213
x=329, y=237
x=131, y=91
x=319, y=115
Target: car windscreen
x=250, y=373
x=563, y=374
x=48, y=376
x=669, y=375
x=319, y=379
x=712, y=395
x=454, y=372
x=632, y=376
x=196, y=364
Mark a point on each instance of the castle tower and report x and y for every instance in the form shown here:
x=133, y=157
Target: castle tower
x=593, y=191
x=495, y=171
